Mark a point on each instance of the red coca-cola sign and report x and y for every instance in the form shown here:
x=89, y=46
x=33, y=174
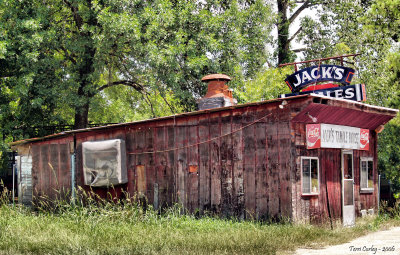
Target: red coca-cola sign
x=364, y=139
x=313, y=136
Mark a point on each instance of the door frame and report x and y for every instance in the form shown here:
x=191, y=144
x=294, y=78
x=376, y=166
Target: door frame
x=348, y=211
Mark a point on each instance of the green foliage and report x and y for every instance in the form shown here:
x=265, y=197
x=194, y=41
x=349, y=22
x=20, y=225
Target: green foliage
x=268, y=84
x=125, y=104
x=388, y=151
x=67, y=52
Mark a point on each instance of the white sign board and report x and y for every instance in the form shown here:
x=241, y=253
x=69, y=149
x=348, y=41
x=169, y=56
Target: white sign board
x=335, y=136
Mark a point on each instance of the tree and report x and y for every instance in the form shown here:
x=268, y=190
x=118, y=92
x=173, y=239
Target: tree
x=82, y=48
x=288, y=12
x=26, y=99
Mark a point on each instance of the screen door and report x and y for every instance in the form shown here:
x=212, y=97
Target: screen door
x=348, y=188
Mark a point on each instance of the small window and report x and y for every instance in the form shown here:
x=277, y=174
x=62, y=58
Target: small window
x=309, y=176
x=367, y=174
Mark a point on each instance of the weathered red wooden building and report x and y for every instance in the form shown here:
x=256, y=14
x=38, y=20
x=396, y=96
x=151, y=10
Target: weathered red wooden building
x=256, y=160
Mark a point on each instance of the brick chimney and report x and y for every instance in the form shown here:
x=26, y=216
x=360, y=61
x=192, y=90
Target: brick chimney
x=218, y=93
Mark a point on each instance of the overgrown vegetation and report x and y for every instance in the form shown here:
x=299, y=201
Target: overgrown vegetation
x=99, y=226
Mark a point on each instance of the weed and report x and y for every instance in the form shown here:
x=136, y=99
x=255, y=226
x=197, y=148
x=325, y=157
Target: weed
x=92, y=225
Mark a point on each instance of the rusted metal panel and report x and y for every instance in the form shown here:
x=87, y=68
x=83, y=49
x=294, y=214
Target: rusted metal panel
x=341, y=116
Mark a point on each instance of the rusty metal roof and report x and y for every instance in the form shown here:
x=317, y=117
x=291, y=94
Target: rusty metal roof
x=320, y=113
x=369, y=117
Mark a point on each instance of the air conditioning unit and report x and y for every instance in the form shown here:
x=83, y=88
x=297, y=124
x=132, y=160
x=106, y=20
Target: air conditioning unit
x=104, y=163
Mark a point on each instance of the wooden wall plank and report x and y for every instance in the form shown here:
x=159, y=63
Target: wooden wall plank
x=249, y=166
x=273, y=170
x=54, y=169
x=171, y=165
x=161, y=167
x=140, y=164
x=181, y=155
x=238, y=176
x=284, y=168
x=261, y=170
x=193, y=167
x=215, y=162
x=150, y=167
x=65, y=167
x=45, y=170
x=204, y=165
x=226, y=165
x=36, y=170
x=131, y=164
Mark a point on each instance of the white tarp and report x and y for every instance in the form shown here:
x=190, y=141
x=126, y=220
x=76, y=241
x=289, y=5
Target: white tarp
x=104, y=163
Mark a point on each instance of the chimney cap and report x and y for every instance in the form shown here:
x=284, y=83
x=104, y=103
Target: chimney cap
x=216, y=76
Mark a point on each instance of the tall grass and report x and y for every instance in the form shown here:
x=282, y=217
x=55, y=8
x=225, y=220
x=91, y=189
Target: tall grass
x=96, y=226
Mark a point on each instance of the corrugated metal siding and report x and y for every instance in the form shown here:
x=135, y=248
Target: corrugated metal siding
x=24, y=166
x=51, y=167
x=342, y=116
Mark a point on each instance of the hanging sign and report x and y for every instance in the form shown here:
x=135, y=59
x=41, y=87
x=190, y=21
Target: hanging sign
x=355, y=92
x=313, y=74
x=335, y=136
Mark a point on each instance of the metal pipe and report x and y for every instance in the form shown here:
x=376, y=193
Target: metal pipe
x=13, y=185
x=73, y=178
x=379, y=191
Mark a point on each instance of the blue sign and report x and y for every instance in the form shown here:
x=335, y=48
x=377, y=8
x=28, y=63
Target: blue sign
x=313, y=74
x=355, y=92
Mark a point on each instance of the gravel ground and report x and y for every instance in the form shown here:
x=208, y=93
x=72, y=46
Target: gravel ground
x=382, y=242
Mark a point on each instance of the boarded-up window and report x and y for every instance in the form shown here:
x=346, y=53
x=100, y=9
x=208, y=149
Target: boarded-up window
x=141, y=180
x=309, y=176
x=367, y=174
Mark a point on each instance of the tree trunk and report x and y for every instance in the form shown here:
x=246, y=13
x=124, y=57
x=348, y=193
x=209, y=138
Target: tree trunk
x=81, y=116
x=283, y=32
